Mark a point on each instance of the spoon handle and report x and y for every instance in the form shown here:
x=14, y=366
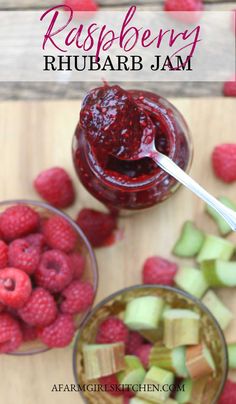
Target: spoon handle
x=171, y=168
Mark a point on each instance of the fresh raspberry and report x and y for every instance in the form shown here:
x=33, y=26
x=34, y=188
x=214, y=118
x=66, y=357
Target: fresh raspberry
x=56, y=187
x=29, y=333
x=143, y=353
x=23, y=256
x=229, y=394
x=81, y=5
x=40, y=309
x=3, y=254
x=15, y=287
x=224, y=162
x=111, y=382
x=229, y=88
x=10, y=333
x=17, y=221
x=112, y=330
x=78, y=264
x=135, y=340
x=183, y=5
x=54, y=271
x=59, y=234
x=97, y=226
x=60, y=333
x=157, y=270
x=2, y=307
x=78, y=297
x=36, y=240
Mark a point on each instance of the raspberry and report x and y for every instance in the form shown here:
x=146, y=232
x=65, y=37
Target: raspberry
x=183, y=5
x=135, y=340
x=17, y=221
x=15, y=287
x=29, y=333
x=40, y=309
x=112, y=330
x=143, y=353
x=78, y=297
x=78, y=264
x=97, y=226
x=54, y=271
x=110, y=382
x=229, y=88
x=59, y=333
x=157, y=270
x=229, y=394
x=224, y=162
x=23, y=256
x=10, y=333
x=81, y=5
x=56, y=187
x=59, y=234
x=36, y=240
x=3, y=254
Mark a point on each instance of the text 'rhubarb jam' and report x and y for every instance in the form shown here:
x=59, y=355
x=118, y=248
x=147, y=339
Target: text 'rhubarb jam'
x=113, y=123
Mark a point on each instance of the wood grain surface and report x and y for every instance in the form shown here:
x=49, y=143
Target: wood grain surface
x=37, y=135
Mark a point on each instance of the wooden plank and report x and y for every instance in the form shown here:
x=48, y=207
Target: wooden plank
x=40, y=136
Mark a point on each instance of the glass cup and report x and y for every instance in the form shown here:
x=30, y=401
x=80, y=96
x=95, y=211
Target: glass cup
x=115, y=304
x=83, y=246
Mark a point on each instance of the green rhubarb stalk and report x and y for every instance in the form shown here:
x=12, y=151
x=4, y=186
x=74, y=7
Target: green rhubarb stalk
x=159, y=377
x=219, y=273
x=134, y=371
x=216, y=248
x=232, y=355
x=222, y=314
x=192, y=281
x=169, y=359
x=190, y=241
x=223, y=226
x=143, y=313
x=181, y=327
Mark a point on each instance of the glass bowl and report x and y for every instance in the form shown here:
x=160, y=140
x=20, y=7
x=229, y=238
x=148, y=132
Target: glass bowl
x=83, y=246
x=210, y=333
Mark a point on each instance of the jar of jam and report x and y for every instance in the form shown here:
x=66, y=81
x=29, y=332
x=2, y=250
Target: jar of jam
x=109, y=118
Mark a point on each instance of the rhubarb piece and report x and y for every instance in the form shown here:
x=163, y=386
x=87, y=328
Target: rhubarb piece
x=199, y=361
x=219, y=273
x=159, y=377
x=222, y=314
x=216, y=248
x=192, y=281
x=169, y=359
x=223, y=226
x=232, y=355
x=153, y=336
x=192, y=391
x=143, y=313
x=181, y=327
x=190, y=241
x=103, y=359
x=184, y=394
x=134, y=371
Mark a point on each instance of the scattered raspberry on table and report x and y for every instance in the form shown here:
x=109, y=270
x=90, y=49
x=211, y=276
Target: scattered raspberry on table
x=224, y=162
x=157, y=270
x=81, y=5
x=229, y=88
x=229, y=394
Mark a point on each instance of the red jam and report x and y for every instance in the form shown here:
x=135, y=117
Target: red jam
x=113, y=123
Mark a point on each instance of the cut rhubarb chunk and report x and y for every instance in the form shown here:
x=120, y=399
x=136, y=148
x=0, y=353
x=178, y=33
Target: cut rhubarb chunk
x=192, y=391
x=232, y=355
x=136, y=400
x=192, y=281
x=222, y=314
x=223, y=226
x=181, y=327
x=184, y=394
x=159, y=377
x=169, y=359
x=143, y=313
x=219, y=273
x=216, y=248
x=133, y=373
x=190, y=241
x=199, y=361
x=103, y=359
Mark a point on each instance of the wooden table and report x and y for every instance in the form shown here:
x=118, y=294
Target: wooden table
x=39, y=91
x=36, y=135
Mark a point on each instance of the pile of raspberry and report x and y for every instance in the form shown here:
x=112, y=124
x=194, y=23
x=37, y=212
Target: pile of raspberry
x=41, y=279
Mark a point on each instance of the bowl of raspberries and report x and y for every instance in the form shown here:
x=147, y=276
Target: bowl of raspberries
x=48, y=277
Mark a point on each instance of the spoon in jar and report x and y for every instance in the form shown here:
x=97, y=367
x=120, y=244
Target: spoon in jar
x=148, y=149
